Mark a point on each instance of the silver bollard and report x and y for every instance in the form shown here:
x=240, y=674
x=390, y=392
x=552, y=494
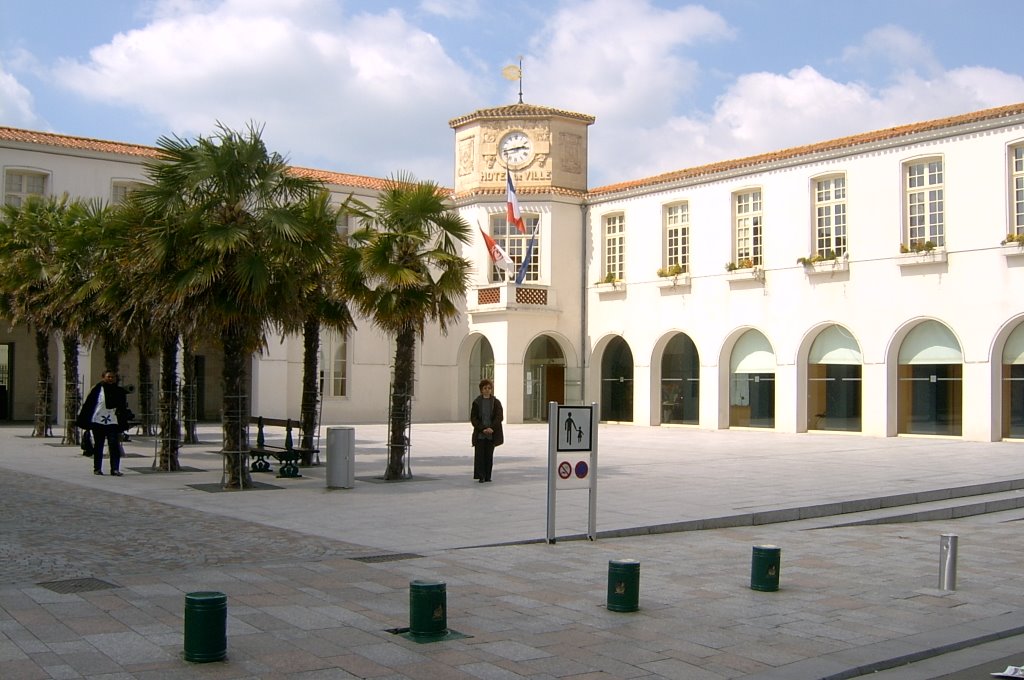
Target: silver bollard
x=947, y=562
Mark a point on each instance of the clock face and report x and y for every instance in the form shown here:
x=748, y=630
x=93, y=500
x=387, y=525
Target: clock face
x=516, y=148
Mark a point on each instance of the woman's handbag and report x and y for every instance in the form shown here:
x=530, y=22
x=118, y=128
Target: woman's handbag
x=87, y=445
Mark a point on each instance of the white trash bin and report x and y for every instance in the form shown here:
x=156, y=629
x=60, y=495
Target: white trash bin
x=341, y=457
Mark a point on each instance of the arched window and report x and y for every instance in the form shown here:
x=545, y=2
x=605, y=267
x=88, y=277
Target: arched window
x=930, y=382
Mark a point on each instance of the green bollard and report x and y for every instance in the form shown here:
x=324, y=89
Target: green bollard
x=764, y=568
x=623, y=585
x=428, y=606
x=206, y=616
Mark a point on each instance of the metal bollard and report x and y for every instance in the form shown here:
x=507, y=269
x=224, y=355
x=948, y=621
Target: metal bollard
x=623, y=585
x=765, y=564
x=947, y=561
x=206, y=616
x=428, y=604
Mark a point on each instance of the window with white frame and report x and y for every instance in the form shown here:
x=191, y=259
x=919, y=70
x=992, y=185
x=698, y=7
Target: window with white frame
x=1017, y=182
x=119, y=190
x=615, y=247
x=515, y=243
x=344, y=225
x=21, y=184
x=925, y=212
x=334, y=364
x=830, y=217
x=677, y=237
x=748, y=228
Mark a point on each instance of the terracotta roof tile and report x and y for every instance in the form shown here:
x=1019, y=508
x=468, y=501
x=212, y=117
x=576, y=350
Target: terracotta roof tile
x=150, y=152
x=809, y=149
x=519, y=111
x=69, y=142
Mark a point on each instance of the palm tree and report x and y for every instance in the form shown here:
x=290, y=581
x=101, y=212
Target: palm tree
x=28, y=264
x=323, y=300
x=407, y=250
x=231, y=203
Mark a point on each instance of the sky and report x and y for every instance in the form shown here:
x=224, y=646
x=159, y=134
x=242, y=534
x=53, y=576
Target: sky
x=368, y=86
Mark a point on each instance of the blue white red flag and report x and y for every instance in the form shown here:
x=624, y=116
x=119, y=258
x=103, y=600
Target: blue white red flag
x=524, y=266
x=513, y=205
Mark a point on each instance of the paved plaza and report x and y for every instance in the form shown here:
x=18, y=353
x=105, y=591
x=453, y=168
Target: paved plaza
x=94, y=570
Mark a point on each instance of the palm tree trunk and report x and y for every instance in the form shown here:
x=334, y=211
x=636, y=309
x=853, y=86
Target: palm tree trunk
x=72, y=393
x=169, y=433
x=235, y=409
x=145, y=393
x=188, y=392
x=44, y=390
x=400, y=421
x=112, y=350
x=310, y=355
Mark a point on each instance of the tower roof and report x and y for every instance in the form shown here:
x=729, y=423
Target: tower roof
x=526, y=111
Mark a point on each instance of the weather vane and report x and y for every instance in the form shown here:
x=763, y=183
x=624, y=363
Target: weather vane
x=513, y=72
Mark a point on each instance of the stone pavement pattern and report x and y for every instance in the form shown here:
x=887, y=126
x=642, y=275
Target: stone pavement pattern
x=301, y=604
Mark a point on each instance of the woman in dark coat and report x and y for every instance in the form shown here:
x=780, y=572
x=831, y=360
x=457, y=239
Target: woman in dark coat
x=486, y=416
x=105, y=413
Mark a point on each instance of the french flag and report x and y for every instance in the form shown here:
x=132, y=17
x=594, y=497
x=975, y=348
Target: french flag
x=524, y=267
x=513, y=205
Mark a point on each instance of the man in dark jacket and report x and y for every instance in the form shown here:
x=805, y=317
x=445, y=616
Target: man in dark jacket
x=105, y=413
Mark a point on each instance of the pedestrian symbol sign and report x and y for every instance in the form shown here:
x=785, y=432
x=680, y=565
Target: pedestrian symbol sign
x=574, y=423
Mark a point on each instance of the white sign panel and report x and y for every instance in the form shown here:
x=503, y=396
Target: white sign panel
x=574, y=423
x=573, y=471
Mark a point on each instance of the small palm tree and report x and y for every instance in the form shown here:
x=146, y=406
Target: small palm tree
x=323, y=301
x=224, y=232
x=29, y=263
x=407, y=253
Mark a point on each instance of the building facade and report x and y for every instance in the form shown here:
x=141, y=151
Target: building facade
x=866, y=285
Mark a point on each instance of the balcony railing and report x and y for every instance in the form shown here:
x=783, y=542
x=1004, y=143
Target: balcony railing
x=497, y=297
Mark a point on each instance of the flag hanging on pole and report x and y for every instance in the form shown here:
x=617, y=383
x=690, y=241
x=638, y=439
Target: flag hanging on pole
x=498, y=255
x=513, y=205
x=524, y=266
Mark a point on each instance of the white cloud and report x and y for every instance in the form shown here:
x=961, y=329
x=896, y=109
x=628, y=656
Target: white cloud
x=16, y=103
x=764, y=112
x=451, y=9
x=624, y=63
x=892, y=48
x=317, y=80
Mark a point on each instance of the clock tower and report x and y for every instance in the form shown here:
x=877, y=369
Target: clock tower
x=543, y=147
x=524, y=322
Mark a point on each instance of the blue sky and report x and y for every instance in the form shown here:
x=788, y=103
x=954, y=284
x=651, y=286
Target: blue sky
x=368, y=86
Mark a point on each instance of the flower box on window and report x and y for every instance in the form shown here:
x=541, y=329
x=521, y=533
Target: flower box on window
x=816, y=264
x=677, y=282
x=743, y=270
x=925, y=254
x=1013, y=245
x=611, y=289
x=672, y=277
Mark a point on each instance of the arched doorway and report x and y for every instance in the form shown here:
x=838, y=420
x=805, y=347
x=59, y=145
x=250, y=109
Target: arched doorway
x=1013, y=384
x=930, y=382
x=543, y=378
x=834, y=368
x=752, y=382
x=680, y=381
x=617, y=382
x=481, y=365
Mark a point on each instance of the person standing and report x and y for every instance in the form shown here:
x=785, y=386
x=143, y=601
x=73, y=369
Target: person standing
x=486, y=415
x=105, y=413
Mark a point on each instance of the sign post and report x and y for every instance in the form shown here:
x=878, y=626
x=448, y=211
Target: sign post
x=572, y=458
